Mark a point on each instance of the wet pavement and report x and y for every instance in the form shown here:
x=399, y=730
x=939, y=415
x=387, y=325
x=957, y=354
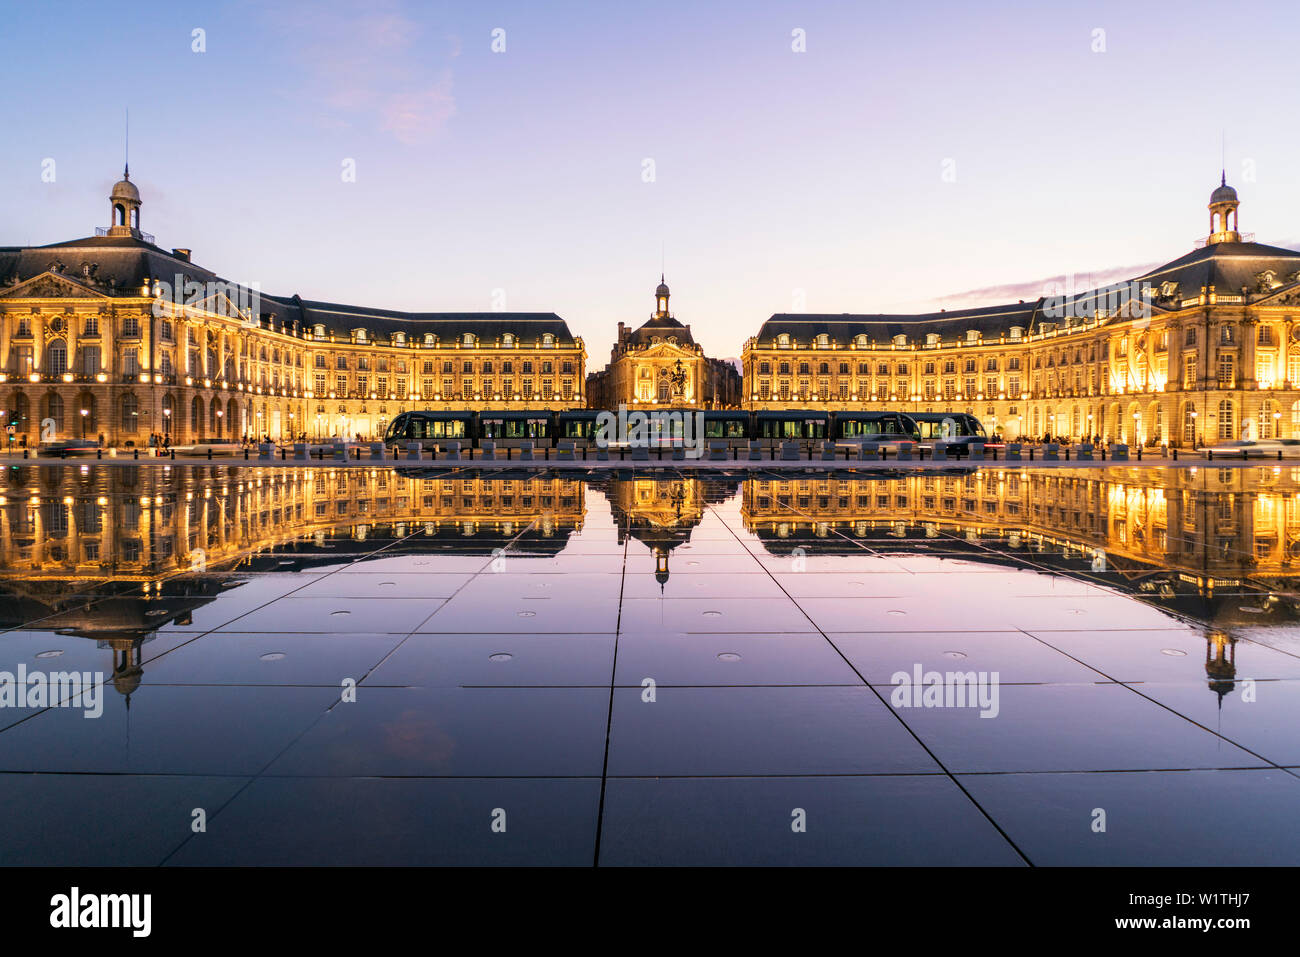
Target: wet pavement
x=320, y=665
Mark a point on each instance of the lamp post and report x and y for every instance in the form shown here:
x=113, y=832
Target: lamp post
x=84, y=413
x=1137, y=425
x=1277, y=424
x=219, y=416
x=167, y=422
x=1196, y=437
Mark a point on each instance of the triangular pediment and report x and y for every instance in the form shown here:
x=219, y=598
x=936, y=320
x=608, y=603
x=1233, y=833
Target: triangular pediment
x=49, y=285
x=1286, y=295
x=219, y=304
x=666, y=349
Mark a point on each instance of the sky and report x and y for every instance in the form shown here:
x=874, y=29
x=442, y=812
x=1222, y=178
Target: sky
x=771, y=157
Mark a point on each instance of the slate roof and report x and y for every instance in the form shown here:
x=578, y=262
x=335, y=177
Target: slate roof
x=1227, y=266
x=122, y=264
x=663, y=327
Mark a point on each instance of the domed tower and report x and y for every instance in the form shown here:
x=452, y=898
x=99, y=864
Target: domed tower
x=661, y=299
x=1223, y=213
x=124, y=204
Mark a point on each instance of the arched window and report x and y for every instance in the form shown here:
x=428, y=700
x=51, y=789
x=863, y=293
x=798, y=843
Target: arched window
x=86, y=404
x=21, y=413
x=1265, y=425
x=119, y=214
x=1227, y=424
x=54, y=410
x=130, y=413
x=56, y=357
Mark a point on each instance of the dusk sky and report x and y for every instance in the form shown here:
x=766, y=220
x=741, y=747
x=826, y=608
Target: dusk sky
x=774, y=170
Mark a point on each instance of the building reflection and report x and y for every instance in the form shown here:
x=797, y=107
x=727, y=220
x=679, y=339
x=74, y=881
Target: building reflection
x=1216, y=545
x=661, y=512
x=112, y=554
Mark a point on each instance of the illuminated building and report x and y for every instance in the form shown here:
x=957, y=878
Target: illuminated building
x=113, y=335
x=1202, y=349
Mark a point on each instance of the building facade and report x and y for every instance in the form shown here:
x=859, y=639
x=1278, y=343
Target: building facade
x=112, y=336
x=660, y=364
x=1202, y=349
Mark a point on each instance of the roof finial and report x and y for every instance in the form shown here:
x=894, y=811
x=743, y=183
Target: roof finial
x=126, y=171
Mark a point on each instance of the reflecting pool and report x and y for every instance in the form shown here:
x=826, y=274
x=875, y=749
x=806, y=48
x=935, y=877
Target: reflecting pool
x=341, y=665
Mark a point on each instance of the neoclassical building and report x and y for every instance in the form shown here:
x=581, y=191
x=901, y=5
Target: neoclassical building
x=1202, y=349
x=114, y=336
x=660, y=364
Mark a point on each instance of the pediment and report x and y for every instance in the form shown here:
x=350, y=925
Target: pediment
x=49, y=285
x=666, y=350
x=1286, y=295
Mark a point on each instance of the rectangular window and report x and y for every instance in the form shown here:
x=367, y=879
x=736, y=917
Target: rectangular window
x=90, y=360
x=131, y=361
x=1227, y=371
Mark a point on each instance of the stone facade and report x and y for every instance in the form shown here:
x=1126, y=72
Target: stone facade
x=660, y=364
x=112, y=336
x=1203, y=349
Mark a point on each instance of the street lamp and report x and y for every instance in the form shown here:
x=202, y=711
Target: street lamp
x=219, y=415
x=1277, y=425
x=1137, y=424
x=84, y=413
x=1196, y=438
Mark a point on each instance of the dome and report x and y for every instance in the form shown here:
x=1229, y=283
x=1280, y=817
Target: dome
x=125, y=190
x=1224, y=193
x=661, y=289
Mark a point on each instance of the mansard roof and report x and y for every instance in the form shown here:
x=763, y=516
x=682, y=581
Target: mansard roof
x=662, y=327
x=1229, y=267
x=120, y=265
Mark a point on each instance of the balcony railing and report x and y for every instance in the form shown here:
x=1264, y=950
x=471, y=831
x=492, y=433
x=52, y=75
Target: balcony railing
x=147, y=237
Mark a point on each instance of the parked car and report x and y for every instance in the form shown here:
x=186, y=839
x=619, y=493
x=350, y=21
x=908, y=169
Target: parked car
x=1258, y=448
x=203, y=446
x=62, y=448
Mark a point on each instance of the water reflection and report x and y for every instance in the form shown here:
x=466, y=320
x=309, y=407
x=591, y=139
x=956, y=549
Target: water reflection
x=116, y=554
